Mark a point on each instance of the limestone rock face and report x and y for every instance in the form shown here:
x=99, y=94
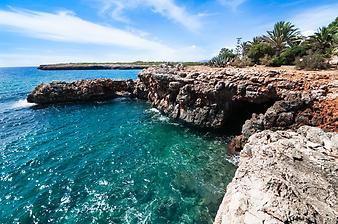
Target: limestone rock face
x=205, y=98
x=84, y=90
x=210, y=97
x=285, y=177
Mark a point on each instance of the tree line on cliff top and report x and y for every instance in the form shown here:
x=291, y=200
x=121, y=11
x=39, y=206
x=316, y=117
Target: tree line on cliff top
x=284, y=45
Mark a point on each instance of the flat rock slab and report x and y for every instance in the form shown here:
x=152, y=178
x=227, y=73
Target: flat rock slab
x=285, y=177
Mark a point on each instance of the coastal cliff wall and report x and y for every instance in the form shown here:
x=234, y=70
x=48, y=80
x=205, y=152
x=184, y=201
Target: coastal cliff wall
x=204, y=99
x=212, y=98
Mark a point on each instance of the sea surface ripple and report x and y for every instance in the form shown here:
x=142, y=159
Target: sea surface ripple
x=117, y=161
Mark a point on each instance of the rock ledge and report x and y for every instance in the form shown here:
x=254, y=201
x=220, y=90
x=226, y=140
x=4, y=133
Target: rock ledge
x=284, y=177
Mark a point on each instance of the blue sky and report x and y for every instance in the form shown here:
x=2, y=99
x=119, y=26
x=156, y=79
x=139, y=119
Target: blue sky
x=34, y=32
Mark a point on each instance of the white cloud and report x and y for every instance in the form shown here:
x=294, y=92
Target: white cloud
x=166, y=8
x=233, y=4
x=67, y=27
x=311, y=19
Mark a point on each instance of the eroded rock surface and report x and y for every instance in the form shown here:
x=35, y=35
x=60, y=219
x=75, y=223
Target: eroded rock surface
x=210, y=97
x=83, y=90
x=285, y=177
x=205, y=98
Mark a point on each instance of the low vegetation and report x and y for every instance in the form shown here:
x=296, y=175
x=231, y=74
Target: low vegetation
x=284, y=45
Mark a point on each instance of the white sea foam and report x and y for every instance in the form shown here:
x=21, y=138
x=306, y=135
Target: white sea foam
x=103, y=182
x=22, y=104
x=154, y=110
x=163, y=118
x=65, y=200
x=234, y=159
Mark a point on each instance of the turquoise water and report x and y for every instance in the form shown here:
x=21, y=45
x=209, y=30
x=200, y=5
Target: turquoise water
x=106, y=162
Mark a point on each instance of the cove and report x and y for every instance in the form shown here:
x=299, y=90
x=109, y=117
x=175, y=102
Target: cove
x=118, y=161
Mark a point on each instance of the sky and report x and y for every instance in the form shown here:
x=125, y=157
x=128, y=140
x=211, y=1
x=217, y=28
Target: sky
x=34, y=32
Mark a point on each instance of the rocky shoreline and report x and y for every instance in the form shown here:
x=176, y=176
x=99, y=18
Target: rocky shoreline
x=272, y=105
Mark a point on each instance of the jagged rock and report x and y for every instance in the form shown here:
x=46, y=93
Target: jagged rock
x=290, y=113
x=285, y=177
x=207, y=97
x=202, y=99
x=84, y=90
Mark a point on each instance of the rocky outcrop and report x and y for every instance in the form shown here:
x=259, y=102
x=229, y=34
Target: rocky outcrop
x=80, y=91
x=210, y=97
x=92, y=66
x=284, y=177
x=292, y=112
x=204, y=99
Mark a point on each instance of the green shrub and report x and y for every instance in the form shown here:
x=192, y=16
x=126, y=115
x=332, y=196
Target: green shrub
x=259, y=50
x=288, y=56
x=276, y=62
x=273, y=61
x=312, y=61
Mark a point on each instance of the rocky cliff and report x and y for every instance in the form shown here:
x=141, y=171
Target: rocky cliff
x=212, y=98
x=284, y=177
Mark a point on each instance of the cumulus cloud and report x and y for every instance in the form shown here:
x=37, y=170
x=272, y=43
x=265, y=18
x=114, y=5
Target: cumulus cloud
x=166, y=8
x=66, y=27
x=311, y=19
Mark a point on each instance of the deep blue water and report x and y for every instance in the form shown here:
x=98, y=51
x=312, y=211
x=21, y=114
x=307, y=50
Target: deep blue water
x=106, y=162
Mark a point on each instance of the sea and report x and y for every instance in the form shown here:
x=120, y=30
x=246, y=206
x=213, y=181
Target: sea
x=117, y=161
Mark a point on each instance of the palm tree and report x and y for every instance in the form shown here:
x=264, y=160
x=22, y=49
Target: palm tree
x=323, y=41
x=248, y=44
x=283, y=35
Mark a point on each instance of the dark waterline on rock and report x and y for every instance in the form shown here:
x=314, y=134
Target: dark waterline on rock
x=117, y=161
